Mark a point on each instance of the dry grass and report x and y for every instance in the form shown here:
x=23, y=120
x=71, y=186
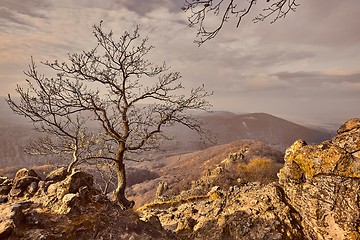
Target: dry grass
x=260, y=169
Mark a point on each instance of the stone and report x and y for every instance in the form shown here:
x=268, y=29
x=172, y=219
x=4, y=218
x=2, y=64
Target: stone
x=161, y=188
x=52, y=188
x=24, y=182
x=81, y=213
x=352, y=124
x=6, y=228
x=4, y=180
x=154, y=221
x=23, y=172
x=16, y=192
x=75, y=181
x=5, y=189
x=32, y=188
x=187, y=224
x=245, y=212
x=78, y=180
x=57, y=175
x=11, y=216
x=23, y=178
x=70, y=202
x=321, y=183
x=4, y=199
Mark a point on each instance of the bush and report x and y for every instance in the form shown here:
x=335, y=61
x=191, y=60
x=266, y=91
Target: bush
x=260, y=169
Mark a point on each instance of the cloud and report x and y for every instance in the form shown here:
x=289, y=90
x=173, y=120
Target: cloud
x=304, y=61
x=317, y=78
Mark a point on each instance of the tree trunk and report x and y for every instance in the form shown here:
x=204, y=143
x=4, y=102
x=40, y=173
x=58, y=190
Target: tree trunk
x=123, y=202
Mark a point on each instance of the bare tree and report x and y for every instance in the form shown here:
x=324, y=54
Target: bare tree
x=228, y=9
x=130, y=98
x=49, y=106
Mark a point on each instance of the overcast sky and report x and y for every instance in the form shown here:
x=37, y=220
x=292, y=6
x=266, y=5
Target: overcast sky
x=304, y=68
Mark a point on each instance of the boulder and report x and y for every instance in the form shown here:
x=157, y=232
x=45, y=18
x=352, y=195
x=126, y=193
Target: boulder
x=5, y=187
x=73, y=183
x=11, y=216
x=22, y=180
x=70, y=202
x=32, y=188
x=57, y=175
x=352, y=124
x=322, y=181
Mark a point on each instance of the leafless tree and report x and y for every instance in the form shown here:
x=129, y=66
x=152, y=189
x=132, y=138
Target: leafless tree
x=115, y=86
x=48, y=104
x=228, y=9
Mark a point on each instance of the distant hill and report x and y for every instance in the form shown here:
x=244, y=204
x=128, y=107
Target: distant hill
x=224, y=127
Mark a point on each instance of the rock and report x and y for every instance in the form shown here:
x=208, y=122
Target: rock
x=25, y=173
x=248, y=212
x=75, y=181
x=3, y=199
x=11, y=215
x=52, y=188
x=71, y=209
x=5, y=189
x=16, y=192
x=4, y=180
x=22, y=180
x=352, y=124
x=161, y=188
x=186, y=224
x=310, y=161
x=42, y=187
x=6, y=228
x=317, y=198
x=321, y=182
x=70, y=202
x=57, y=175
x=32, y=188
x=78, y=180
x=153, y=220
x=215, y=193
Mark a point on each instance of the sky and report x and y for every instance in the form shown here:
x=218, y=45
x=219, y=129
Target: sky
x=304, y=68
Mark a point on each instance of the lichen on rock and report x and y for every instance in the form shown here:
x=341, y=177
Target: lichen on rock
x=327, y=197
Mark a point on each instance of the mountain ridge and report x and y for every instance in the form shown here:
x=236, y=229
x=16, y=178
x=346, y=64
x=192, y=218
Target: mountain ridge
x=225, y=127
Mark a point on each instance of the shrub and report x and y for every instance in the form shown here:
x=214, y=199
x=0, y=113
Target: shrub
x=260, y=169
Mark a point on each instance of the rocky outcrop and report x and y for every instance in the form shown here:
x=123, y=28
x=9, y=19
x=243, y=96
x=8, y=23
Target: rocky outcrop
x=317, y=197
x=66, y=207
x=322, y=184
x=250, y=211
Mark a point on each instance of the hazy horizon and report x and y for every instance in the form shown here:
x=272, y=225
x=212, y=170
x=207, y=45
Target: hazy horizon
x=304, y=68
x=316, y=123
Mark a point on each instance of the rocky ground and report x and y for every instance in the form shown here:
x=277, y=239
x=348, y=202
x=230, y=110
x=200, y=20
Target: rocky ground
x=66, y=207
x=316, y=197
